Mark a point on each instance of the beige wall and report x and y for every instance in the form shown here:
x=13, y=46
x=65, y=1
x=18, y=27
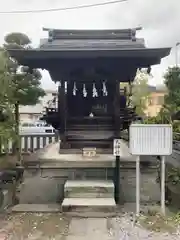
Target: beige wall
x=155, y=103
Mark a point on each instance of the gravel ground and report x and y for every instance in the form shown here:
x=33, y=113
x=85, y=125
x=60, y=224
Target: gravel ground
x=57, y=227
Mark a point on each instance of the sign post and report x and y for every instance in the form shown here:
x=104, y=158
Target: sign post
x=163, y=172
x=150, y=139
x=116, y=152
x=137, y=185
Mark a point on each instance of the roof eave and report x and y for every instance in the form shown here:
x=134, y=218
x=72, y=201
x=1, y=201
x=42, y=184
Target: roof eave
x=24, y=56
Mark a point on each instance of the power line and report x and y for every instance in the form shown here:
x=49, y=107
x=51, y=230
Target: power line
x=63, y=9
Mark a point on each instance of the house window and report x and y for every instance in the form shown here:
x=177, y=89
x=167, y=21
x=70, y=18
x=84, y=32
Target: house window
x=156, y=100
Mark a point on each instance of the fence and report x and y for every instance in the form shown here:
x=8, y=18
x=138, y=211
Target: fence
x=31, y=143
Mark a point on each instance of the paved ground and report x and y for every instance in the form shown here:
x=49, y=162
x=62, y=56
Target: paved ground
x=56, y=227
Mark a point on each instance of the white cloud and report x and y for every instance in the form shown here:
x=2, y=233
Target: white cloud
x=160, y=20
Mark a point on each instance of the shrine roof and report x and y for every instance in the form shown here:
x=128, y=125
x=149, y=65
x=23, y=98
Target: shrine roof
x=90, y=44
x=66, y=44
x=91, y=39
x=39, y=54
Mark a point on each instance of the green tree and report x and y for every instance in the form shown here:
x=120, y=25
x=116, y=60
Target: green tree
x=6, y=108
x=26, y=85
x=171, y=108
x=172, y=99
x=140, y=92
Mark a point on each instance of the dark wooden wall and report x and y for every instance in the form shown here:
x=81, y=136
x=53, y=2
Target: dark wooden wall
x=79, y=105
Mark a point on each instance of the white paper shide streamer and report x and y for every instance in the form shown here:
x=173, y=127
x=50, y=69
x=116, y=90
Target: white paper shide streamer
x=105, y=93
x=84, y=91
x=95, y=93
x=65, y=86
x=74, y=89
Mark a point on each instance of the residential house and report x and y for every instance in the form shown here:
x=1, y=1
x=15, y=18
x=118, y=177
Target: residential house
x=33, y=113
x=156, y=100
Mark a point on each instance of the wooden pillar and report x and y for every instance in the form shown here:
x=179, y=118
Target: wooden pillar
x=117, y=122
x=62, y=113
x=117, y=126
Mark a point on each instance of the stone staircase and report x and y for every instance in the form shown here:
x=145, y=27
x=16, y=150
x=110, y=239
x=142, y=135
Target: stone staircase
x=98, y=195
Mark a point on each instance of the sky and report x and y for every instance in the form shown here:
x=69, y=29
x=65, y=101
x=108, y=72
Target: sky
x=160, y=20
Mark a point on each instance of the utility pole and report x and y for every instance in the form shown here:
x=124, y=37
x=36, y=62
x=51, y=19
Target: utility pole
x=176, y=53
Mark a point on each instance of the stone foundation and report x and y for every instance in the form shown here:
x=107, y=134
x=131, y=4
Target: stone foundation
x=7, y=197
x=47, y=185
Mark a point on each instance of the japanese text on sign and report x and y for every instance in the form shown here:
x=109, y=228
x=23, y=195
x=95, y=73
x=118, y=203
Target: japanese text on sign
x=116, y=147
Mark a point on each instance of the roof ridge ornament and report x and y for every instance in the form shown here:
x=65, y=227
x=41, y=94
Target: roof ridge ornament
x=126, y=34
x=50, y=35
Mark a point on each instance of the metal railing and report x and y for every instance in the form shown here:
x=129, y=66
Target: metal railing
x=30, y=143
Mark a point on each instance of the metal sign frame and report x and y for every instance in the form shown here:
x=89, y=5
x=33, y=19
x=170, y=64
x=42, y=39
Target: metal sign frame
x=147, y=141
x=150, y=139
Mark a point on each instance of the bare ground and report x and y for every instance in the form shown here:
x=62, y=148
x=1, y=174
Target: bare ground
x=28, y=226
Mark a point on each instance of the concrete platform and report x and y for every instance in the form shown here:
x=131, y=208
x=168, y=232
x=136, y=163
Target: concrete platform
x=37, y=208
x=89, y=189
x=99, y=203
x=51, y=155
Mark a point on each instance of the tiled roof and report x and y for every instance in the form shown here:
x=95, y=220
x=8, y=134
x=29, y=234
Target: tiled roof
x=91, y=39
x=89, y=44
x=152, y=88
x=93, y=44
x=158, y=88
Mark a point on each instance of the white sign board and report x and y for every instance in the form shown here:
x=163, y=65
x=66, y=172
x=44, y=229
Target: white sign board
x=150, y=139
x=116, y=147
x=89, y=152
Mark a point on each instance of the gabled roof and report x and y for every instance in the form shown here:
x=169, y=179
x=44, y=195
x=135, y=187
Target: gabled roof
x=91, y=39
x=151, y=88
x=90, y=44
x=128, y=34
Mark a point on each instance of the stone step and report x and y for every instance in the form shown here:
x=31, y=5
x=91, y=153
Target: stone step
x=103, y=204
x=90, y=127
x=86, y=135
x=89, y=189
x=91, y=143
x=79, y=151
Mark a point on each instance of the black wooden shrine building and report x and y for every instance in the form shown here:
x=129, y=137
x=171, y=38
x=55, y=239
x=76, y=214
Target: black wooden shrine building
x=89, y=66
